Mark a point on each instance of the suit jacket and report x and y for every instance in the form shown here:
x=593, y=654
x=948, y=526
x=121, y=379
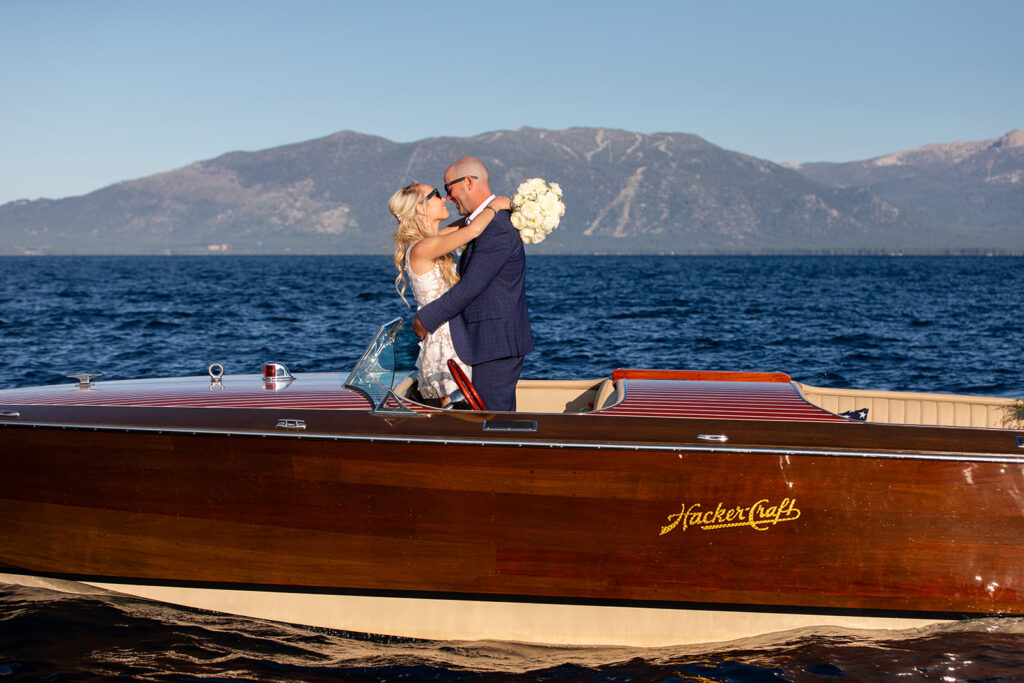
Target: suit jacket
x=486, y=309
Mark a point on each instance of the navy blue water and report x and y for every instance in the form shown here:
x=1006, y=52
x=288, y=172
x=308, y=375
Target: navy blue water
x=946, y=324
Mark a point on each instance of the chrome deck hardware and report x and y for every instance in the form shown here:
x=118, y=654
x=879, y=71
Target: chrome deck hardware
x=9, y=413
x=85, y=379
x=713, y=437
x=216, y=371
x=291, y=424
x=275, y=375
x=275, y=371
x=510, y=425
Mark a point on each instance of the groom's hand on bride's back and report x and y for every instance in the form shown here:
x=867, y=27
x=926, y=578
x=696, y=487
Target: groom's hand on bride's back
x=417, y=327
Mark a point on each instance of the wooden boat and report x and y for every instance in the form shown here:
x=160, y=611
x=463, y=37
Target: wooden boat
x=642, y=508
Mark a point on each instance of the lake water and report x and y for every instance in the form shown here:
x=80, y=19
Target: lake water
x=946, y=324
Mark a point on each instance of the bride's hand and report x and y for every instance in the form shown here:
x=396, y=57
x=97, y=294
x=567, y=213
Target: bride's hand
x=501, y=204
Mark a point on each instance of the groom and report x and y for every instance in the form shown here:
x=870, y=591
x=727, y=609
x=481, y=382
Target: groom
x=486, y=309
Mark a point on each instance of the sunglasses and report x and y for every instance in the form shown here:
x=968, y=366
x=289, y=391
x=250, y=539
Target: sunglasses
x=448, y=186
x=433, y=193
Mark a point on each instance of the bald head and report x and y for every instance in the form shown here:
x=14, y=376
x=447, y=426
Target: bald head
x=469, y=166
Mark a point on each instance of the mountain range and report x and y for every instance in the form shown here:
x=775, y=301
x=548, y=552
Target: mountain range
x=625, y=192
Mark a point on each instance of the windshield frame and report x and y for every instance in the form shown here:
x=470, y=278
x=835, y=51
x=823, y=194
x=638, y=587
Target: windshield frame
x=376, y=373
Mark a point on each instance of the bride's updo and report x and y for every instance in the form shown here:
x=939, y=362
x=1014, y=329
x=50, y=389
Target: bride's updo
x=411, y=229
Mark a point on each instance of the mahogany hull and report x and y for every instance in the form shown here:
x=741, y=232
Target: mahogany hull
x=816, y=519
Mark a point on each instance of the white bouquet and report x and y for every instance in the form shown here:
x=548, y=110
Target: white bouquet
x=536, y=208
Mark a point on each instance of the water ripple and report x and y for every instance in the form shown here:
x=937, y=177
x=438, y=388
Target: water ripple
x=98, y=636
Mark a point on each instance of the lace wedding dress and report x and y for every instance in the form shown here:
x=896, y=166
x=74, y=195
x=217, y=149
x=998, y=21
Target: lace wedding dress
x=436, y=348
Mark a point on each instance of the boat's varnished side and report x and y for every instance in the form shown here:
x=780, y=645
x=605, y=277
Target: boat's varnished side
x=804, y=515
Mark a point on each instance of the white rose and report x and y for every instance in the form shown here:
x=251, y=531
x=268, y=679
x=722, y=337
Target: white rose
x=517, y=221
x=556, y=188
x=533, y=186
x=530, y=210
x=548, y=203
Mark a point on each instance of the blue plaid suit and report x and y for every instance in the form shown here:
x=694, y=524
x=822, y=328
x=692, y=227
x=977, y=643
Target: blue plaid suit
x=486, y=312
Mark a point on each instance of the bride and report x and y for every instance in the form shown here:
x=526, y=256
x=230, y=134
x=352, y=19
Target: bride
x=423, y=254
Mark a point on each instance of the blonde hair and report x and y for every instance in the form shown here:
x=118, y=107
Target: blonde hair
x=411, y=229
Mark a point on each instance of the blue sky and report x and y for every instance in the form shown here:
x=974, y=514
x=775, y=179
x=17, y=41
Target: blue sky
x=99, y=91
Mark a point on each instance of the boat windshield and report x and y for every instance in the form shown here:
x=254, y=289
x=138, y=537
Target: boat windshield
x=385, y=362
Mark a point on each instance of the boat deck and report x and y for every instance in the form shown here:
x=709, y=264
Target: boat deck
x=313, y=391
x=626, y=393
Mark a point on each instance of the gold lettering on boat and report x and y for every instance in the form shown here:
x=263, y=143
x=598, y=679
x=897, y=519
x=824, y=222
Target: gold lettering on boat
x=760, y=516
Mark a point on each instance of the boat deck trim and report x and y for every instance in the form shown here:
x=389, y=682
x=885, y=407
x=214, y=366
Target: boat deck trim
x=522, y=443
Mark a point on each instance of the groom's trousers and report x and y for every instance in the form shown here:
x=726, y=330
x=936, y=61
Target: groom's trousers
x=495, y=381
